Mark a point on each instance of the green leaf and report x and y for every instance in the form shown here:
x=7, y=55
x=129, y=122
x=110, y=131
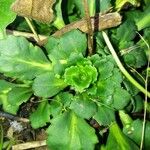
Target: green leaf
x=60, y=49
x=143, y=19
x=136, y=58
x=120, y=3
x=41, y=116
x=7, y=107
x=104, y=5
x=13, y=95
x=6, y=16
x=70, y=132
x=138, y=104
x=20, y=59
x=105, y=66
x=5, y=86
x=48, y=85
x=105, y=115
x=64, y=98
x=134, y=132
x=56, y=108
x=121, y=98
x=83, y=106
x=124, y=35
x=18, y=95
x=58, y=22
x=80, y=77
x=118, y=141
x=106, y=88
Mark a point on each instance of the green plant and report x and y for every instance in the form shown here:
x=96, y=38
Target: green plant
x=75, y=87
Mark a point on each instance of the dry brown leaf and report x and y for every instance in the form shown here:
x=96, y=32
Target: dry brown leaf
x=40, y=10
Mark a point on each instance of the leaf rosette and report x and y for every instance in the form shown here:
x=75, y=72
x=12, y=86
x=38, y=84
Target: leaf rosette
x=80, y=77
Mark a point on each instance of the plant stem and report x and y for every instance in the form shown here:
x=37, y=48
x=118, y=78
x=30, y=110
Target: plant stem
x=145, y=103
x=26, y=34
x=92, y=7
x=1, y=136
x=121, y=67
x=89, y=25
x=36, y=37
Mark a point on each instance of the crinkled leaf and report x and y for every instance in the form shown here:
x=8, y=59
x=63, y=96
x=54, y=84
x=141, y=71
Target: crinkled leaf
x=48, y=85
x=60, y=49
x=83, y=106
x=130, y=88
x=41, y=115
x=80, y=77
x=20, y=59
x=118, y=141
x=121, y=98
x=105, y=115
x=106, y=88
x=136, y=58
x=18, y=95
x=104, y=65
x=124, y=35
x=6, y=16
x=69, y=131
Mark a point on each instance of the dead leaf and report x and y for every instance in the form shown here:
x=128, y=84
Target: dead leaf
x=40, y=10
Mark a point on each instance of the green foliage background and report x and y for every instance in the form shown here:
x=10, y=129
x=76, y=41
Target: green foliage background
x=75, y=88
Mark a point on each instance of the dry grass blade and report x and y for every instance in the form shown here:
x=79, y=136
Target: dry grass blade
x=29, y=145
x=146, y=96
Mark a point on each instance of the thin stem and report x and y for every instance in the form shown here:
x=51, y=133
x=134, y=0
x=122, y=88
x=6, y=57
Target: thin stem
x=146, y=95
x=89, y=25
x=36, y=37
x=1, y=136
x=121, y=67
x=26, y=34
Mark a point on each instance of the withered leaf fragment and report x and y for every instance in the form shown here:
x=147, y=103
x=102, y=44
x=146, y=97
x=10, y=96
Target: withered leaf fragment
x=40, y=10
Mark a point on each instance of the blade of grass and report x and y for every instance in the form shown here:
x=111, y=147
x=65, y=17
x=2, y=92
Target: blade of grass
x=36, y=37
x=146, y=96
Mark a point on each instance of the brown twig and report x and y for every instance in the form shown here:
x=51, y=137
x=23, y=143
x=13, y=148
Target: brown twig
x=89, y=26
x=29, y=145
x=12, y=117
x=99, y=23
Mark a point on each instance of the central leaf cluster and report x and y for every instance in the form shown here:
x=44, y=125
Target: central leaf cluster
x=80, y=77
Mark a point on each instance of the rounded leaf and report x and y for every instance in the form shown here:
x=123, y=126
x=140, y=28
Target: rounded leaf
x=80, y=77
